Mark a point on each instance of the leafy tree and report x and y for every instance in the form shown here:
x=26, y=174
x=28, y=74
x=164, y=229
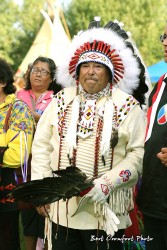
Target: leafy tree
x=30, y=20
x=8, y=31
x=144, y=19
x=20, y=23
x=18, y=28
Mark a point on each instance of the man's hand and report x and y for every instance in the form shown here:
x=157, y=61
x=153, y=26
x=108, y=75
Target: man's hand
x=163, y=156
x=100, y=191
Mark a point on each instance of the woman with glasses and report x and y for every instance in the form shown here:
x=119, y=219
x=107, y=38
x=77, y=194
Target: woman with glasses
x=40, y=86
x=38, y=93
x=152, y=197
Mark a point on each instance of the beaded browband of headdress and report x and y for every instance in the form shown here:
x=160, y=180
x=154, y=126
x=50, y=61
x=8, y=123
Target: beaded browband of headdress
x=99, y=52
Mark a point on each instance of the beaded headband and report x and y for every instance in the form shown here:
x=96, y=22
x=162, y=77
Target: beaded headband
x=95, y=56
x=98, y=52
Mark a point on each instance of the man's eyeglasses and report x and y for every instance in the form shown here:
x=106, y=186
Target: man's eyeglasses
x=163, y=37
x=43, y=72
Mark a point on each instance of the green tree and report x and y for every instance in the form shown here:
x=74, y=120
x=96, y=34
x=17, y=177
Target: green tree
x=29, y=22
x=20, y=23
x=144, y=19
x=8, y=31
x=18, y=28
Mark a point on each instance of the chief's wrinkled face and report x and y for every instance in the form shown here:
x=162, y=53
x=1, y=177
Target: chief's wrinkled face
x=93, y=77
x=164, y=42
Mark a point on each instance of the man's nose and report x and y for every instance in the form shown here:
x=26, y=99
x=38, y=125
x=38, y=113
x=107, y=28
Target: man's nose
x=91, y=70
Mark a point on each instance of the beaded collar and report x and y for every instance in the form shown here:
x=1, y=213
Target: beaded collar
x=95, y=96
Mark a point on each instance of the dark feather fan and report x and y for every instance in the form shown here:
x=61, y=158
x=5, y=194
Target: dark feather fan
x=116, y=27
x=95, y=23
x=65, y=184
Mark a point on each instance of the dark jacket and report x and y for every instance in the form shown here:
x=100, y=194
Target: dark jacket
x=152, y=196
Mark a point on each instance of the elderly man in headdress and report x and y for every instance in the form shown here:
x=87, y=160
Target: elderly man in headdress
x=95, y=123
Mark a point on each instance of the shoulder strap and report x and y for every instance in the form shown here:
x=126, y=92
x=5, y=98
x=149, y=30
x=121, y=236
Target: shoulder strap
x=157, y=89
x=6, y=125
x=32, y=103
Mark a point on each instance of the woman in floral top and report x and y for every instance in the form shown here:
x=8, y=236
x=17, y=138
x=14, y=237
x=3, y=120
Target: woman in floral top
x=16, y=134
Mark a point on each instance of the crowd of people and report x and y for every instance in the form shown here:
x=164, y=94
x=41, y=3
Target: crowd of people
x=90, y=112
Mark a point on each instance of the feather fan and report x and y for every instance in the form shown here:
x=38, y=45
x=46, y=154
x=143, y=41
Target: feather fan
x=64, y=184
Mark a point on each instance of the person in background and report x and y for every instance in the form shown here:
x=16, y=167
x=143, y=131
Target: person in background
x=20, y=81
x=16, y=135
x=40, y=86
x=152, y=196
x=37, y=94
x=96, y=126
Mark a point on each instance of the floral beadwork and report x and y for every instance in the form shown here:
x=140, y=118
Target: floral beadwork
x=109, y=183
x=125, y=174
x=20, y=117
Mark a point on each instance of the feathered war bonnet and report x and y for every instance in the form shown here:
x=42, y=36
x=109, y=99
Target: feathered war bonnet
x=109, y=45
